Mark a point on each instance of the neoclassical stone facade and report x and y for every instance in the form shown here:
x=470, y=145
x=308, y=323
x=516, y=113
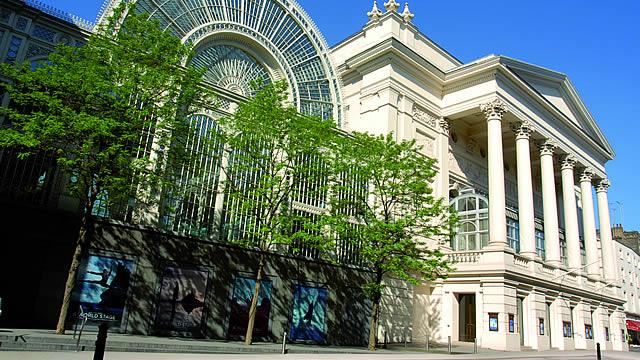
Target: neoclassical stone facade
x=518, y=155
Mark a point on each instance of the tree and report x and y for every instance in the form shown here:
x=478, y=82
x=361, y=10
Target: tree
x=383, y=204
x=112, y=114
x=274, y=157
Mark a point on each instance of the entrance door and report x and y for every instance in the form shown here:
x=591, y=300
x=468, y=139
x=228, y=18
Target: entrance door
x=521, y=321
x=467, y=317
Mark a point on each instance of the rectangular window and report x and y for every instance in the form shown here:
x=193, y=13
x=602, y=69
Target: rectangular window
x=606, y=333
x=541, y=326
x=566, y=329
x=14, y=48
x=493, y=321
x=563, y=249
x=540, y=244
x=513, y=234
x=588, y=332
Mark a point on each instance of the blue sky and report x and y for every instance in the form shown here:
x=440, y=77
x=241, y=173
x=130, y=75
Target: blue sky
x=596, y=43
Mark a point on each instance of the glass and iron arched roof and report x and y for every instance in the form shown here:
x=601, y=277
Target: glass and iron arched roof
x=285, y=43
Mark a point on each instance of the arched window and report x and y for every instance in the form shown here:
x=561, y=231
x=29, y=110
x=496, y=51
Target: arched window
x=473, y=228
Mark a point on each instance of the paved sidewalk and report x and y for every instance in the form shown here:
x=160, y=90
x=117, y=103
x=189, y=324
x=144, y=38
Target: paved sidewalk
x=552, y=355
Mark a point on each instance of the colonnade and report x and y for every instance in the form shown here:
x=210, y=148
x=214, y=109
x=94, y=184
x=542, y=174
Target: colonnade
x=494, y=112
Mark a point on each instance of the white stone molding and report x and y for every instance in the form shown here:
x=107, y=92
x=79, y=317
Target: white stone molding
x=392, y=5
x=375, y=13
x=494, y=109
x=425, y=117
x=603, y=185
x=407, y=15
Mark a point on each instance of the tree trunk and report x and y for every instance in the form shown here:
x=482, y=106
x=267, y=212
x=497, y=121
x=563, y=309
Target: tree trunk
x=254, y=302
x=81, y=244
x=373, y=325
x=375, y=312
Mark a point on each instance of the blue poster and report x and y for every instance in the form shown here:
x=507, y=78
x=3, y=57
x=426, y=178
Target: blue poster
x=102, y=286
x=241, y=302
x=309, y=317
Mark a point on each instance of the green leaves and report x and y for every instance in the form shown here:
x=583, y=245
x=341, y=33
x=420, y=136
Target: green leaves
x=388, y=198
x=275, y=159
x=99, y=109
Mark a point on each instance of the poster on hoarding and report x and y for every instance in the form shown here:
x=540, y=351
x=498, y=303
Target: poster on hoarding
x=182, y=300
x=102, y=286
x=243, y=290
x=309, y=315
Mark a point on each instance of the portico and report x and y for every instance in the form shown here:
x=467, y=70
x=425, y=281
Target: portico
x=518, y=156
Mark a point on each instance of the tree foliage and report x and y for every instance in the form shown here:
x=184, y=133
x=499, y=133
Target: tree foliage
x=274, y=157
x=384, y=204
x=107, y=113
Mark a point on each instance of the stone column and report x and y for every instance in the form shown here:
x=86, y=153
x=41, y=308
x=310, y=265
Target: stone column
x=444, y=125
x=589, y=223
x=606, y=240
x=497, y=203
x=526, y=213
x=572, y=233
x=549, y=201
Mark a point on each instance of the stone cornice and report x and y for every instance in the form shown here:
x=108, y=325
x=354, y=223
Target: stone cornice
x=393, y=46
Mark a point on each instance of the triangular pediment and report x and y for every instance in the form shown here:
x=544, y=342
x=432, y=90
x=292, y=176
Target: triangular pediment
x=559, y=92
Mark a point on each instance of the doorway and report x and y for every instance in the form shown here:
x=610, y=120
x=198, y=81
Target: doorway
x=521, y=320
x=467, y=317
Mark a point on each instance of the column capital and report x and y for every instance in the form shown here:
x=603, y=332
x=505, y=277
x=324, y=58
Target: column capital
x=587, y=175
x=568, y=162
x=494, y=109
x=522, y=129
x=445, y=125
x=603, y=185
x=547, y=147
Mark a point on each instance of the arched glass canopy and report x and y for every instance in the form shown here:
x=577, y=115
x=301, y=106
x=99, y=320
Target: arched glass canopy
x=272, y=37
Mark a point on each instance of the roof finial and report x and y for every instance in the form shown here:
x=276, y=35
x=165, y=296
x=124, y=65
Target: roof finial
x=391, y=5
x=375, y=12
x=406, y=14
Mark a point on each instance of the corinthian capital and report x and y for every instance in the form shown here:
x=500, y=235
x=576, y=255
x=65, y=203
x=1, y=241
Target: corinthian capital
x=547, y=147
x=568, y=162
x=587, y=175
x=523, y=129
x=603, y=185
x=494, y=109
